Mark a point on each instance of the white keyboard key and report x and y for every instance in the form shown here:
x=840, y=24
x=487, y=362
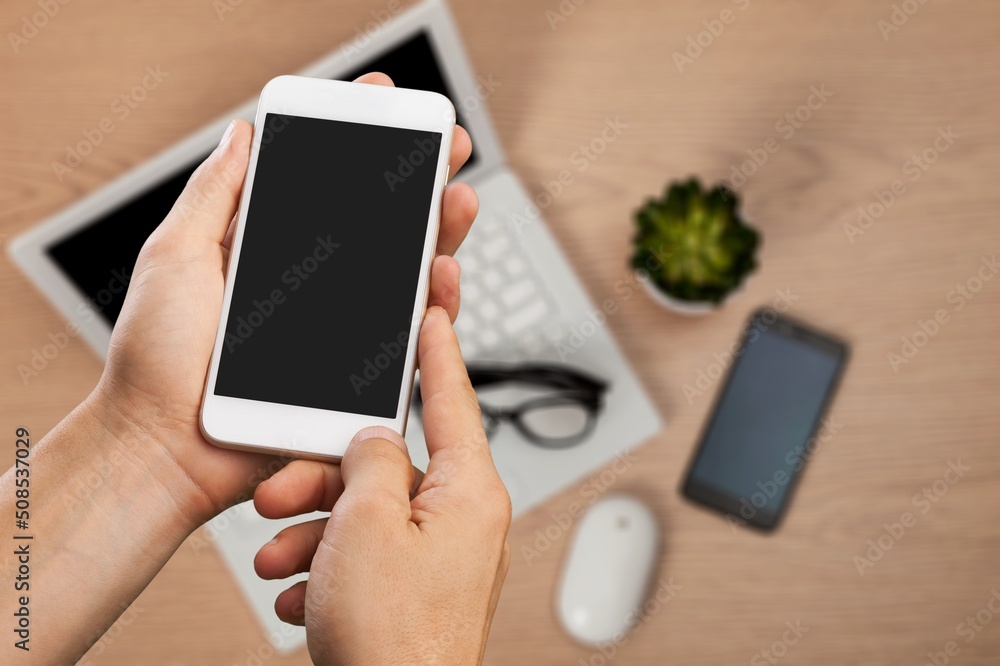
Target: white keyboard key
x=489, y=338
x=492, y=280
x=470, y=292
x=507, y=313
x=487, y=223
x=469, y=263
x=489, y=310
x=525, y=317
x=515, y=266
x=532, y=342
x=554, y=333
x=517, y=293
x=465, y=324
x=495, y=248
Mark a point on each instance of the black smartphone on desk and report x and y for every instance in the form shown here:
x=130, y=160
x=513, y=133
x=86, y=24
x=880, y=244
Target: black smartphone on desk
x=766, y=421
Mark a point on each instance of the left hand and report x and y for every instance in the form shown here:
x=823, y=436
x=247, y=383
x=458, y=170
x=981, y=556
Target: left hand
x=162, y=343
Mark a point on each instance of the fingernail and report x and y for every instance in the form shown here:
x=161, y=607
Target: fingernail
x=381, y=432
x=270, y=543
x=228, y=133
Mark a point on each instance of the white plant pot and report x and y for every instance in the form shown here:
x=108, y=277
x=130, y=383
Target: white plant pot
x=688, y=308
x=692, y=308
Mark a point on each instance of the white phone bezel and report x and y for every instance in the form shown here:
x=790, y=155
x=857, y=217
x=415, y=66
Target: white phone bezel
x=304, y=431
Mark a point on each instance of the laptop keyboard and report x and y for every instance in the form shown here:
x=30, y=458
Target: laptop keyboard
x=507, y=311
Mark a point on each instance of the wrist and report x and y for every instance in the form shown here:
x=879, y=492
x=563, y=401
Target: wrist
x=104, y=520
x=140, y=465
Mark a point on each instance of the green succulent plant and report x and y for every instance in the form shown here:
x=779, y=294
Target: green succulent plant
x=694, y=244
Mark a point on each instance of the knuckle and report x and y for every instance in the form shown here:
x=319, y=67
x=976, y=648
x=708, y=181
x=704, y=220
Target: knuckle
x=505, y=558
x=374, y=506
x=372, y=502
x=167, y=246
x=155, y=245
x=499, y=506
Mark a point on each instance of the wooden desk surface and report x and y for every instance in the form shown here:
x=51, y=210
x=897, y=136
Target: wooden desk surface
x=888, y=99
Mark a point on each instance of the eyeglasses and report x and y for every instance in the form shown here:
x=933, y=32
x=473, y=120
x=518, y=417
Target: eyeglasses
x=556, y=421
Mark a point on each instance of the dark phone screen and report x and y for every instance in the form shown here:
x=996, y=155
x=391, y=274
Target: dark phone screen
x=95, y=256
x=758, y=438
x=327, y=275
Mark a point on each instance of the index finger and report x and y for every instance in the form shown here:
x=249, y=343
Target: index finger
x=453, y=427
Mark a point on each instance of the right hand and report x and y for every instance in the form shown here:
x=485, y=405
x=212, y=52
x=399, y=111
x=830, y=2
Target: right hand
x=395, y=580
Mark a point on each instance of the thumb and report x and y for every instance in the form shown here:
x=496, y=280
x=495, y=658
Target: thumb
x=212, y=194
x=377, y=472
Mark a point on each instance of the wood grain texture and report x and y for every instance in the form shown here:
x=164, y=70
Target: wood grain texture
x=898, y=429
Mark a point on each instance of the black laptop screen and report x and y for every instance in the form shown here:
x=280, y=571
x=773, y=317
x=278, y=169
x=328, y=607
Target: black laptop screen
x=97, y=255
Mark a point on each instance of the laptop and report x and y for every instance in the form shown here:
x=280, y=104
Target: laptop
x=522, y=301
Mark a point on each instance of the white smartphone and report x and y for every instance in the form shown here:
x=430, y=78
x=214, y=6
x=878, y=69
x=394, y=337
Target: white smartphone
x=330, y=264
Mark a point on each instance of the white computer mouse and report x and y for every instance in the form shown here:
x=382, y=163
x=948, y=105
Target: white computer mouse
x=608, y=570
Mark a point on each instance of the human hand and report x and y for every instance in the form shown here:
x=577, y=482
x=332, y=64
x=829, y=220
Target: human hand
x=395, y=580
x=162, y=343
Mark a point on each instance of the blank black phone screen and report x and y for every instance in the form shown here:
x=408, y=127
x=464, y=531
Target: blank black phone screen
x=325, y=287
x=758, y=438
